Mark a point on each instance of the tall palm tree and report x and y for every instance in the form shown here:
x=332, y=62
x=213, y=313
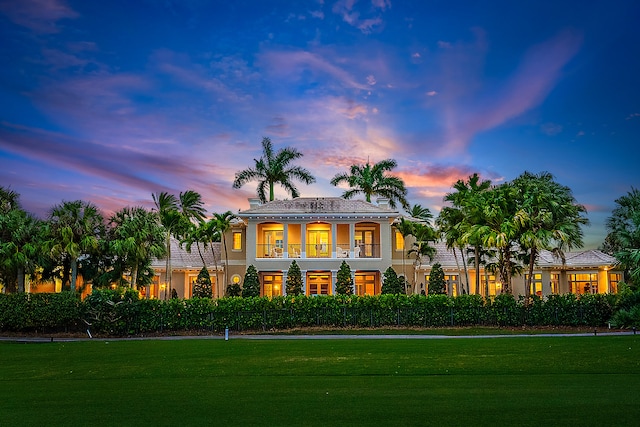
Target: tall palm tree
x=449, y=226
x=498, y=228
x=177, y=214
x=468, y=198
x=424, y=235
x=418, y=212
x=136, y=237
x=20, y=239
x=405, y=228
x=551, y=218
x=373, y=180
x=222, y=223
x=76, y=229
x=623, y=238
x=274, y=168
x=166, y=206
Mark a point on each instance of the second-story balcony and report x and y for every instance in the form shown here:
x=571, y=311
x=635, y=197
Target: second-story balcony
x=314, y=251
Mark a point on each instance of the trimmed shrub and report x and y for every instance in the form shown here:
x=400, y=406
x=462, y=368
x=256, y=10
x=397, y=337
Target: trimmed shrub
x=251, y=283
x=294, y=279
x=344, y=282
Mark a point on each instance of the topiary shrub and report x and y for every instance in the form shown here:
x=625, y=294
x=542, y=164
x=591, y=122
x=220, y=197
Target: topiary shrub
x=202, y=286
x=344, y=282
x=391, y=283
x=251, y=283
x=437, y=284
x=294, y=279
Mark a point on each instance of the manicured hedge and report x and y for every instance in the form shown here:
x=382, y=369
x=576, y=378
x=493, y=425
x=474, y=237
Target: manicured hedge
x=121, y=313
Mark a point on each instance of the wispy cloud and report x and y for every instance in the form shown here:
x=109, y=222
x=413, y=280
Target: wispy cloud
x=40, y=16
x=293, y=64
x=361, y=17
x=472, y=111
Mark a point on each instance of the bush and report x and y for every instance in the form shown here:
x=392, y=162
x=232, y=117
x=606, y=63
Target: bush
x=202, y=286
x=294, y=279
x=437, y=284
x=344, y=282
x=251, y=284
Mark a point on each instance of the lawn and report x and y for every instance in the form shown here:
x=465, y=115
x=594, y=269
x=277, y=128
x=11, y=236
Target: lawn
x=537, y=381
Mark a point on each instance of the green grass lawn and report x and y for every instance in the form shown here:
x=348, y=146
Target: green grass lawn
x=445, y=382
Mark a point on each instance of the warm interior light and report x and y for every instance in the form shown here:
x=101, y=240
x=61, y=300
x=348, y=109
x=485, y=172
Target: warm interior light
x=236, y=279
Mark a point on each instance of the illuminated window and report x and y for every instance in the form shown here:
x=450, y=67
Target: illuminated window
x=318, y=284
x=271, y=285
x=614, y=279
x=536, y=284
x=399, y=241
x=488, y=285
x=555, y=283
x=366, y=283
x=452, y=283
x=584, y=283
x=237, y=240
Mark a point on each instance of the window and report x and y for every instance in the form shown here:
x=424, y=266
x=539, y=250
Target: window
x=536, y=284
x=584, y=283
x=271, y=285
x=614, y=279
x=318, y=240
x=399, y=241
x=488, y=285
x=270, y=240
x=366, y=283
x=318, y=284
x=237, y=241
x=555, y=283
x=452, y=284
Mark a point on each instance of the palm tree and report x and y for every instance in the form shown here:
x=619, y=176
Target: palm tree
x=448, y=223
x=424, y=235
x=406, y=229
x=20, y=238
x=418, y=212
x=137, y=236
x=177, y=216
x=468, y=198
x=222, y=224
x=273, y=168
x=551, y=218
x=166, y=206
x=76, y=229
x=623, y=238
x=372, y=180
x=498, y=228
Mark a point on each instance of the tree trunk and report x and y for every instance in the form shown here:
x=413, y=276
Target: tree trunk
x=74, y=274
x=455, y=256
x=527, y=291
x=134, y=277
x=466, y=272
x=20, y=279
x=476, y=249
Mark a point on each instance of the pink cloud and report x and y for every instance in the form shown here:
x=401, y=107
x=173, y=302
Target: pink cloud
x=293, y=63
x=468, y=112
x=40, y=16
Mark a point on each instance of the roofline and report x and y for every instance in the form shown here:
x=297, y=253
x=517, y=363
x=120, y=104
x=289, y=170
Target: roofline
x=355, y=215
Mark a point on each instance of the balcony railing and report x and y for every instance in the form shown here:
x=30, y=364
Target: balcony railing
x=318, y=251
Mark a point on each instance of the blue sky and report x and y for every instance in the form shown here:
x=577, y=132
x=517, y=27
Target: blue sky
x=112, y=101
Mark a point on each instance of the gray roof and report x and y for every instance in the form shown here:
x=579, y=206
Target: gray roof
x=181, y=259
x=575, y=259
x=314, y=206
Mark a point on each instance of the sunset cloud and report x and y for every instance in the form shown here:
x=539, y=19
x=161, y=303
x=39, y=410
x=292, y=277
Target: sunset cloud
x=41, y=16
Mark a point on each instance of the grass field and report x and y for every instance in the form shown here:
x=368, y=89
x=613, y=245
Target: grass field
x=539, y=381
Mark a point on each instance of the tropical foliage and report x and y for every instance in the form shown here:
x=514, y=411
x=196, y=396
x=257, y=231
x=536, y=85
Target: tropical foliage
x=373, y=180
x=274, y=168
x=623, y=238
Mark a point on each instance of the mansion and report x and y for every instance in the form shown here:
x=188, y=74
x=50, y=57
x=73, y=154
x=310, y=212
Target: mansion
x=321, y=233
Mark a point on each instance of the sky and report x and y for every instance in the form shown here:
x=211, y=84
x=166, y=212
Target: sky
x=112, y=101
